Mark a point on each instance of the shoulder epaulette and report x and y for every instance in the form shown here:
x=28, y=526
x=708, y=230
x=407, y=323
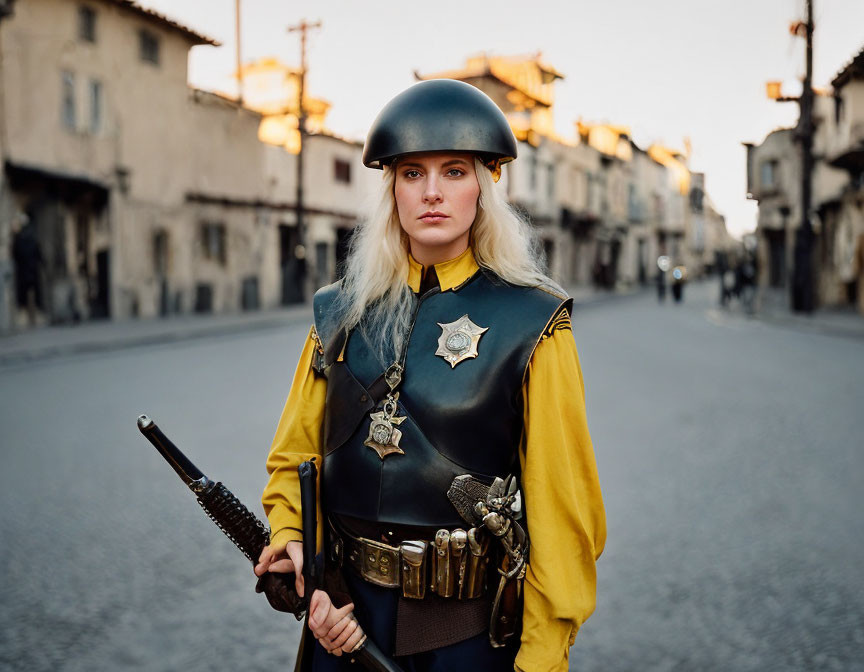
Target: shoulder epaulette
x=318, y=364
x=560, y=321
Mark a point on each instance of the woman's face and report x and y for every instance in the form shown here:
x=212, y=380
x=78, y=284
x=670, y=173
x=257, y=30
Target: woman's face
x=436, y=197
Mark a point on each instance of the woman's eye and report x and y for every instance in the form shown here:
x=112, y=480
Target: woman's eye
x=411, y=174
x=455, y=172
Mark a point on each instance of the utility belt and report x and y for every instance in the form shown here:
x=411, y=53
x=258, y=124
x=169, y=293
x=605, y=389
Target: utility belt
x=452, y=565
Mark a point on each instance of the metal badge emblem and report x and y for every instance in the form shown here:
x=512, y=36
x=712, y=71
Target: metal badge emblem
x=458, y=340
x=383, y=436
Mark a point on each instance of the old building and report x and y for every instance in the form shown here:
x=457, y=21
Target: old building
x=774, y=180
x=844, y=149
x=134, y=194
x=603, y=208
x=125, y=192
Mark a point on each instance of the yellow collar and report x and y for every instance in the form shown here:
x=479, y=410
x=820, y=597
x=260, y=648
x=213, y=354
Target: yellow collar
x=450, y=273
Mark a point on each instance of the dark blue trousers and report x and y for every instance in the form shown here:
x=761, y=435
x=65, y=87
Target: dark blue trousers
x=375, y=609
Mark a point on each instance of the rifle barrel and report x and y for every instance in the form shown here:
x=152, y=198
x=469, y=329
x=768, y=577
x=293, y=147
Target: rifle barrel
x=186, y=470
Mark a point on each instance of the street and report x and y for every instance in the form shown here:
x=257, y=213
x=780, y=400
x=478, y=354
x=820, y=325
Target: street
x=730, y=453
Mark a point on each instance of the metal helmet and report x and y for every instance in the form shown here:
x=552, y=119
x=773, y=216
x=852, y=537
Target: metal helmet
x=440, y=115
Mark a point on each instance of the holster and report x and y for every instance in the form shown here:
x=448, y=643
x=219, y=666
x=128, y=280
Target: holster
x=506, y=618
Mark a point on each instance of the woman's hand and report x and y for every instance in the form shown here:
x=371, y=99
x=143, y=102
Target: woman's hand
x=283, y=559
x=335, y=629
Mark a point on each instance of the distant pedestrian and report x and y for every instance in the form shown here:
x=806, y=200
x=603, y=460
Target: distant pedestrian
x=679, y=277
x=746, y=281
x=28, y=261
x=663, y=264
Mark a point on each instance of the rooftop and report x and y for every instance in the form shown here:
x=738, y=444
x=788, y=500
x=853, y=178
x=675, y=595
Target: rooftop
x=193, y=36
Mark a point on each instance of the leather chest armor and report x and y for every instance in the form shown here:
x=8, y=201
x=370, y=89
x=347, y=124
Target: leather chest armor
x=465, y=419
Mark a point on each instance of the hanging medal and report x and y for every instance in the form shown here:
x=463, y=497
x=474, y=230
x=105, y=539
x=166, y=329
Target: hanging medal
x=384, y=435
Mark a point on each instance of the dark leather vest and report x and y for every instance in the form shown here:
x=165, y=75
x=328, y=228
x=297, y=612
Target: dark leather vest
x=466, y=419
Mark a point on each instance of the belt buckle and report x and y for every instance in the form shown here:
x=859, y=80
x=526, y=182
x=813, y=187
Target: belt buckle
x=414, y=558
x=376, y=562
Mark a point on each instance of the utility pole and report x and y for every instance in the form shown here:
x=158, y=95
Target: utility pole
x=303, y=28
x=237, y=58
x=802, y=279
x=802, y=295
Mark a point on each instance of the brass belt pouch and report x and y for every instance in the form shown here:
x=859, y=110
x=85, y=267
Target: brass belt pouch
x=443, y=578
x=477, y=557
x=413, y=568
x=458, y=556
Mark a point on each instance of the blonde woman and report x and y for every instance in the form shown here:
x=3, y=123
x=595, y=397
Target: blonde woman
x=445, y=352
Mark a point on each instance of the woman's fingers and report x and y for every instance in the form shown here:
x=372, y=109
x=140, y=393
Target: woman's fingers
x=268, y=555
x=350, y=627
x=281, y=566
x=334, y=632
x=319, y=611
x=294, y=550
x=353, y=640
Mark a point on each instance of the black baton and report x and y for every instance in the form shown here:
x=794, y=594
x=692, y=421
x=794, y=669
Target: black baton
x=368, y=655
x=237, y=522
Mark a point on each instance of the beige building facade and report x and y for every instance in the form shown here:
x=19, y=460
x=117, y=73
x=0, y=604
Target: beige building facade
x=774, y=181
x=127, y=193
x=604, y=208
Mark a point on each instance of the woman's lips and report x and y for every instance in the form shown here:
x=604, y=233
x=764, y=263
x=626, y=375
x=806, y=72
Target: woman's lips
x=433, y=218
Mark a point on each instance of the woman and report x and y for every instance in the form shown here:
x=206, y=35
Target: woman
x=444, y=352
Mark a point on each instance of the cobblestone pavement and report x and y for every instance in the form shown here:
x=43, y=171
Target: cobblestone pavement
x=730, y=455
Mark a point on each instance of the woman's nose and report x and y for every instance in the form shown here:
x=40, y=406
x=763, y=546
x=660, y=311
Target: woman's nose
x=432, y=192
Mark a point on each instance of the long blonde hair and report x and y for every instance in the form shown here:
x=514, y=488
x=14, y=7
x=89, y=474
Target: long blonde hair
x=375, y=296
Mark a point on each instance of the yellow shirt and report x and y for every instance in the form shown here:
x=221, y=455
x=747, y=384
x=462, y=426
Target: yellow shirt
x=562, y=496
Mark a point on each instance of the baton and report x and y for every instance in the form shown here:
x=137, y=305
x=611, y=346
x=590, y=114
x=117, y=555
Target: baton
x=237, y=522
x=367, y=654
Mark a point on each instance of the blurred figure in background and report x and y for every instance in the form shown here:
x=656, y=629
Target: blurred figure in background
x=745, y=281
x=679, y=277
x=663, y=265
x=28, y=260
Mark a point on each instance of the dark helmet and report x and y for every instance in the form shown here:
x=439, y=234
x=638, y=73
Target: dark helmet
x=440, y=115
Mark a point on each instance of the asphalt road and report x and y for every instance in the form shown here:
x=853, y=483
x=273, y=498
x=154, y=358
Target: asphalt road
x=731, y=455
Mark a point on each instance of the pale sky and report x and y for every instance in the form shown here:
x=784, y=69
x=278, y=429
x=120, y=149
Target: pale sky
x=666, y=68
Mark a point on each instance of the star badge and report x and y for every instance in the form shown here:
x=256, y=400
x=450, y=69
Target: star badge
x=458, y=340
x=383, y=436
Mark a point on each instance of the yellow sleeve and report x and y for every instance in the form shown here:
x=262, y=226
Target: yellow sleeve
x=563, y=504
x=298, y=438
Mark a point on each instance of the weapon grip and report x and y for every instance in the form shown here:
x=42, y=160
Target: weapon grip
x=369, y=655
x=308, y=473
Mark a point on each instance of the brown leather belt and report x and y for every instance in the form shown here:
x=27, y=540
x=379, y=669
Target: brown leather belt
x=453, y=565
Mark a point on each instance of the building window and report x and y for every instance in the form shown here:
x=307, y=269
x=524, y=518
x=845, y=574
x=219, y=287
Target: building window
x=213, y=242
x=68, y=100
x=342, y=171
x=769, y=174
x=148, y=47
x=550, y=180
x=95, y=106
x=532, y=171
x=87, y=23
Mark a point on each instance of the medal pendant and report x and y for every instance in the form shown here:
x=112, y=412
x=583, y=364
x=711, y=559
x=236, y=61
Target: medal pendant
x=384, y=436
x=458, y=340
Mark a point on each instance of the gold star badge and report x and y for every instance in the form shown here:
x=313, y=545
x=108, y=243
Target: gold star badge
x=458, y=340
